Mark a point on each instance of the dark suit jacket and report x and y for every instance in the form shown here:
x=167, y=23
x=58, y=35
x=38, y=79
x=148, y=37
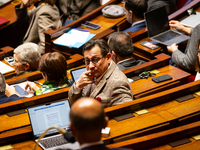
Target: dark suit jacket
x=136, y=27
x=113, y=88
x=129, y=63
x=5, y=99
x=102, y=147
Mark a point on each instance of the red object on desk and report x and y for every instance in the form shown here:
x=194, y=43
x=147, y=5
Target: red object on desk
x=3, y=21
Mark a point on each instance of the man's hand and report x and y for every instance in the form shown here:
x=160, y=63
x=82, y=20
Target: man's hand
x=25, y=3
x=178, y=26
x=172, y=48
x=85, y=79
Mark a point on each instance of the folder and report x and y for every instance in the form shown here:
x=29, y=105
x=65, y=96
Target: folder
x=3, y=21
x=74, y=38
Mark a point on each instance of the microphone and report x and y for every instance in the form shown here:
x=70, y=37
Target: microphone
x=68, y=136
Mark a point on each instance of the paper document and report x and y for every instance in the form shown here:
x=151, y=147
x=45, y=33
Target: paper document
x=22, y=85
x=5, y=68
x=74, y=38
x=192, y=20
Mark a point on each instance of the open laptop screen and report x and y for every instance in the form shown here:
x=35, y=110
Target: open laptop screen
x=157, y=21
x=47, y=115
x=76, y=73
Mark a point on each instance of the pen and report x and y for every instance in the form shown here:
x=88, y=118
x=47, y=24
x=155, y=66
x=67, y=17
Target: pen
x=81, y=29
x=37, y=83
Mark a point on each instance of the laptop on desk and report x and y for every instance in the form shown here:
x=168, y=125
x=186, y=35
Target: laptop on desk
x=47, y=115
x=159, y=30
x=76, y=73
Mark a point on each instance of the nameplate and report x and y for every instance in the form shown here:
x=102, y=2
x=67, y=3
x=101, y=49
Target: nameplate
x=185, y=98
x=14, y=113
x=179, y=142
x=141, y=112
x=123, y=117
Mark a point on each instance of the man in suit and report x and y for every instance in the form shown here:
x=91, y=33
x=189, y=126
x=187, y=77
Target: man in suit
x=121, y=49
x=87, y=120
x=134, y=10
x=102, y=80
x=9, y=90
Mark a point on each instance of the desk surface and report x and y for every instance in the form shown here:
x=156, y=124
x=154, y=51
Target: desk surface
x=105, y=23
x=147, y=86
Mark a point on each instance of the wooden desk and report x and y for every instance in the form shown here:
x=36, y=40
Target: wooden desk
x=160, y=118
x=144, y=87
x=160, y=140
x=152, y=103
x=107, y=25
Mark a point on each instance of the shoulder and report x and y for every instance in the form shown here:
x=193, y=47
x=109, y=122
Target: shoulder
x=47, y=9
x=136, y=27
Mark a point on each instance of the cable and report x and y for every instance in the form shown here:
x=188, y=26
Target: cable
x=67, y=135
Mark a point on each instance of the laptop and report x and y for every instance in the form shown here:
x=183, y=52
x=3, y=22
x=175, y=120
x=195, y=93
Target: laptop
x=159, y=30
x=76, y=73
x=47, y=115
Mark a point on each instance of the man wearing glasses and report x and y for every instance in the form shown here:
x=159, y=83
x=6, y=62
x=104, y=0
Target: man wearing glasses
x=102, y=80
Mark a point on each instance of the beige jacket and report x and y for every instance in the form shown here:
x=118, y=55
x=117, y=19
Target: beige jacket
x=40, y=19
x=112, y=89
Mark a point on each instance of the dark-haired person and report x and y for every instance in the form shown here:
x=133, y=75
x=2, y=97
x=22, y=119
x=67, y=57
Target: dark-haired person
x=102, y=80
x=134, y=10
x=87, y=120
x=53, y=67
x=74, y=9
x=169, y=4
x=7, y=93
x=45, y=15
x=121, y=49
x=26, y=58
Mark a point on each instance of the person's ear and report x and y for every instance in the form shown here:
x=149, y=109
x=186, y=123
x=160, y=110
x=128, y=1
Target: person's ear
x=44, y=76
x=27, y=66
x=73, y=131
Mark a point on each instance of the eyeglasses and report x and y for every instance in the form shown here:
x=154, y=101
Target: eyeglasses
x=93, y=60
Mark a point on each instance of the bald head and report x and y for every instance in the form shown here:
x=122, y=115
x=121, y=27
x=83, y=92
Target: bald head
x=87, y=114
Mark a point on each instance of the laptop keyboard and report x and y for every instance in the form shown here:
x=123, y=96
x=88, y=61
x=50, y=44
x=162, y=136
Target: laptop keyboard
x=168, y=35
x=54, y=141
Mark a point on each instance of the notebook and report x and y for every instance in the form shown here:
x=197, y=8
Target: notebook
x=47, y=115
x=76, y=73
x=192, y=20
x=159, y=30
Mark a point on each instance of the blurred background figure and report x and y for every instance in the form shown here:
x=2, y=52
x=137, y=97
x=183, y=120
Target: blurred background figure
x=44, y=15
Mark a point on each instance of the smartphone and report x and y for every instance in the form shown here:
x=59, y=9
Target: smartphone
x=9, y=60
x=149, y=45
x=162, y=78
x=91, y=25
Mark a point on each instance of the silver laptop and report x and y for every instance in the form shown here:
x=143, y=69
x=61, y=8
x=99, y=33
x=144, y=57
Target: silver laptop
x=47, y=115
x=76, y=73
x=159, y=30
